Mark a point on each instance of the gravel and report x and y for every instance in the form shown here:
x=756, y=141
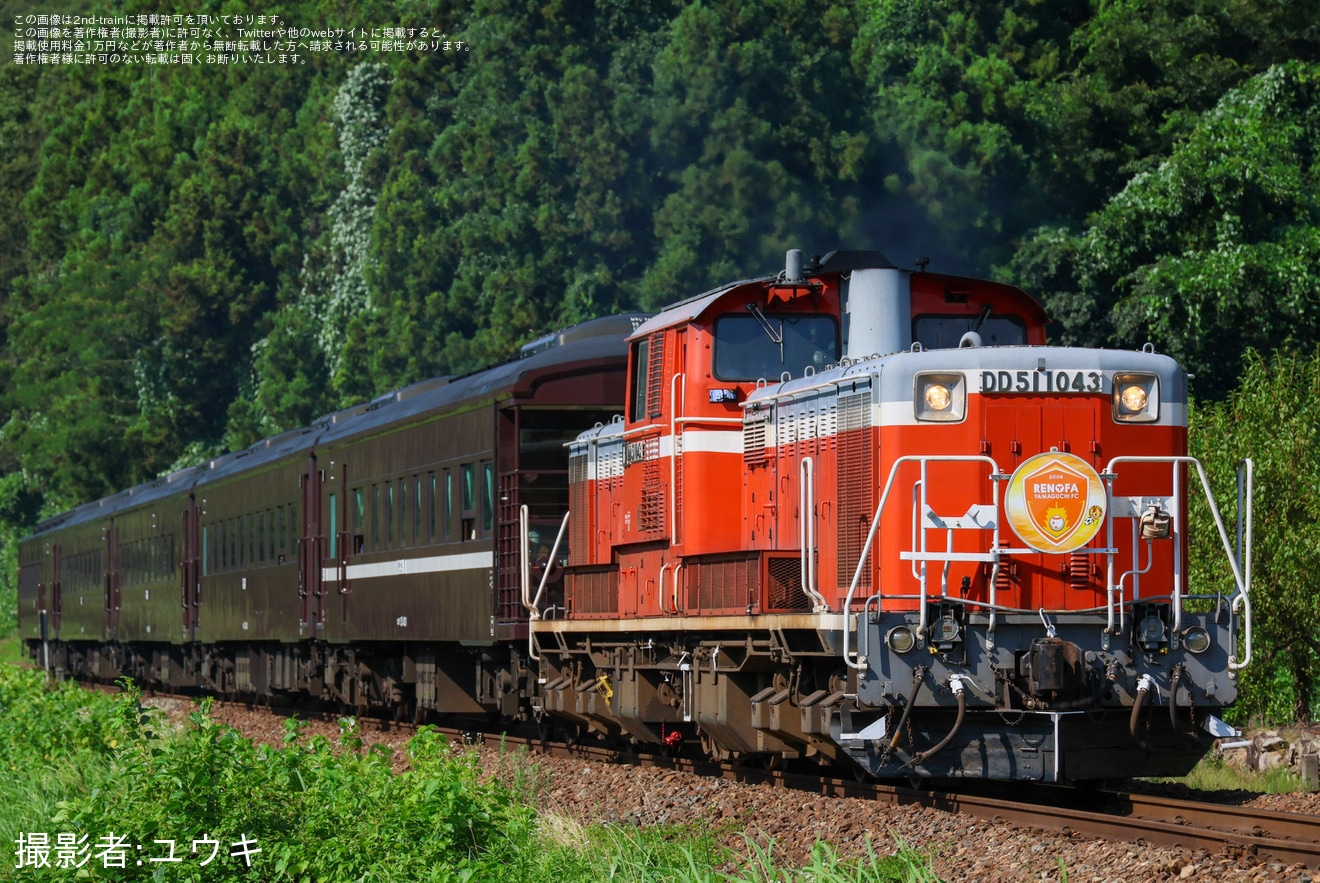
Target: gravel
x=961, y=849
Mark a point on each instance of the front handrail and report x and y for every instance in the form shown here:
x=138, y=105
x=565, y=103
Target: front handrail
x=1239, y=559
x=860, y=663
x=1246, y=489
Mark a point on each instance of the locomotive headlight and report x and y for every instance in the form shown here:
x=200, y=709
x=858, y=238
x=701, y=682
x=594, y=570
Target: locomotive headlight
x=940, y=397
x=1196, y=639
x=1133, y=399
x=1136, y=398
x=901, y=639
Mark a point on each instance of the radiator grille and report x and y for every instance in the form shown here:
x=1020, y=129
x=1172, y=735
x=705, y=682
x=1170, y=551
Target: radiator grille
x=783, y=590
x=593, y=592
x=724, y=585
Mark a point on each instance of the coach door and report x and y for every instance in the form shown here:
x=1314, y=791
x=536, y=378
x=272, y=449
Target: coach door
x=508, y=553
x=190, y=572
x=111, y=583
x=56, y=589
x=311, y=551
x=343, y=542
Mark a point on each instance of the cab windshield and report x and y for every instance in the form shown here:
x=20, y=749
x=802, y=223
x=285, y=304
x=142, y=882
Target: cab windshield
x=753, y=345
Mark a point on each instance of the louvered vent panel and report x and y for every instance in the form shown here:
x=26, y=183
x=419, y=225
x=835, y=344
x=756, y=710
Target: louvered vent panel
x=655, y=374
x=678, y=490
x=651, y=513
x=855, y=480
x=754, y=439
x=579, y=507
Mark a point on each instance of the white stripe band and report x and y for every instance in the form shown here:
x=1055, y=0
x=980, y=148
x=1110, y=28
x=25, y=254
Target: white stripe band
x=405, y=566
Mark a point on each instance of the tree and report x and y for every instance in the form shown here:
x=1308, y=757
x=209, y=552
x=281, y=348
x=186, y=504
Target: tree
x=1274, y=418
x=1214, y=250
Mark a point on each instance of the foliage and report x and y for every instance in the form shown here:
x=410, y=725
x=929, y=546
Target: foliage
x=1215, y=249
x=316, y=810
x=86, y=763
x=55, y=743
x=1273, y=418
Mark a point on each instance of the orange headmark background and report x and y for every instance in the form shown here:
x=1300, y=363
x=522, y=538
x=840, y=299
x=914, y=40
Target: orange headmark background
x=1055, y=502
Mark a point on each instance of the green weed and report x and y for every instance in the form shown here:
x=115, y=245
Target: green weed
x=315, y=809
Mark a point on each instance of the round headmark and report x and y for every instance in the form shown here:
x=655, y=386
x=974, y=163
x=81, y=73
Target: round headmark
x=1055, y=502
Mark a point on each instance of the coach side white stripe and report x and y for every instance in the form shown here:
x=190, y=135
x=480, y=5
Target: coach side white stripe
x=405, y=566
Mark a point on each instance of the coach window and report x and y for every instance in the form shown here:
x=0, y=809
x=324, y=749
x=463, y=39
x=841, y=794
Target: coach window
x=449, y=506
x=389, y=514
x=487, y=497
x=375, y=517
x=430, y=507
x=294, y=531
x=280, y=550
x=270, y=535
x=261, y=537
x=359, y=519
x=469, y=501
x=334, y=528
x=403, y=512
x=418, y=539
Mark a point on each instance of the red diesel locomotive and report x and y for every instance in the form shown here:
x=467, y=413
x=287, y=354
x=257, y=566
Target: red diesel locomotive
x=846, y=513
x=853, y=512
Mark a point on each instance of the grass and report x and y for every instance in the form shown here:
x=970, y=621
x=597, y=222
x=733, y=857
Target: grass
x=1212, y=774
x=76, y=762
x=11, y=649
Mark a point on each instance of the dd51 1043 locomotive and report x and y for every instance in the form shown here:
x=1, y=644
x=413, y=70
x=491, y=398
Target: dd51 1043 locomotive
x=845, y=513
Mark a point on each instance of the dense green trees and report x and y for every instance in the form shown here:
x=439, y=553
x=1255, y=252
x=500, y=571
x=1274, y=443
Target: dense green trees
x=195, y=257
x=1273, y=417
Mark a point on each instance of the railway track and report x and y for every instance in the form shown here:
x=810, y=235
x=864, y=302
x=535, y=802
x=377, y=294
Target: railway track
x=1220, y=829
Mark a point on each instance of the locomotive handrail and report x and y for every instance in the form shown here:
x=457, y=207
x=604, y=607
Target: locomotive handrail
x=673, y=462
x=535, y=612
x=660, y=588
x=524, y=560
x=807, y=532
x=1239, y=560
x=1246, y=471
x=860, y=664
x=549, y=565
